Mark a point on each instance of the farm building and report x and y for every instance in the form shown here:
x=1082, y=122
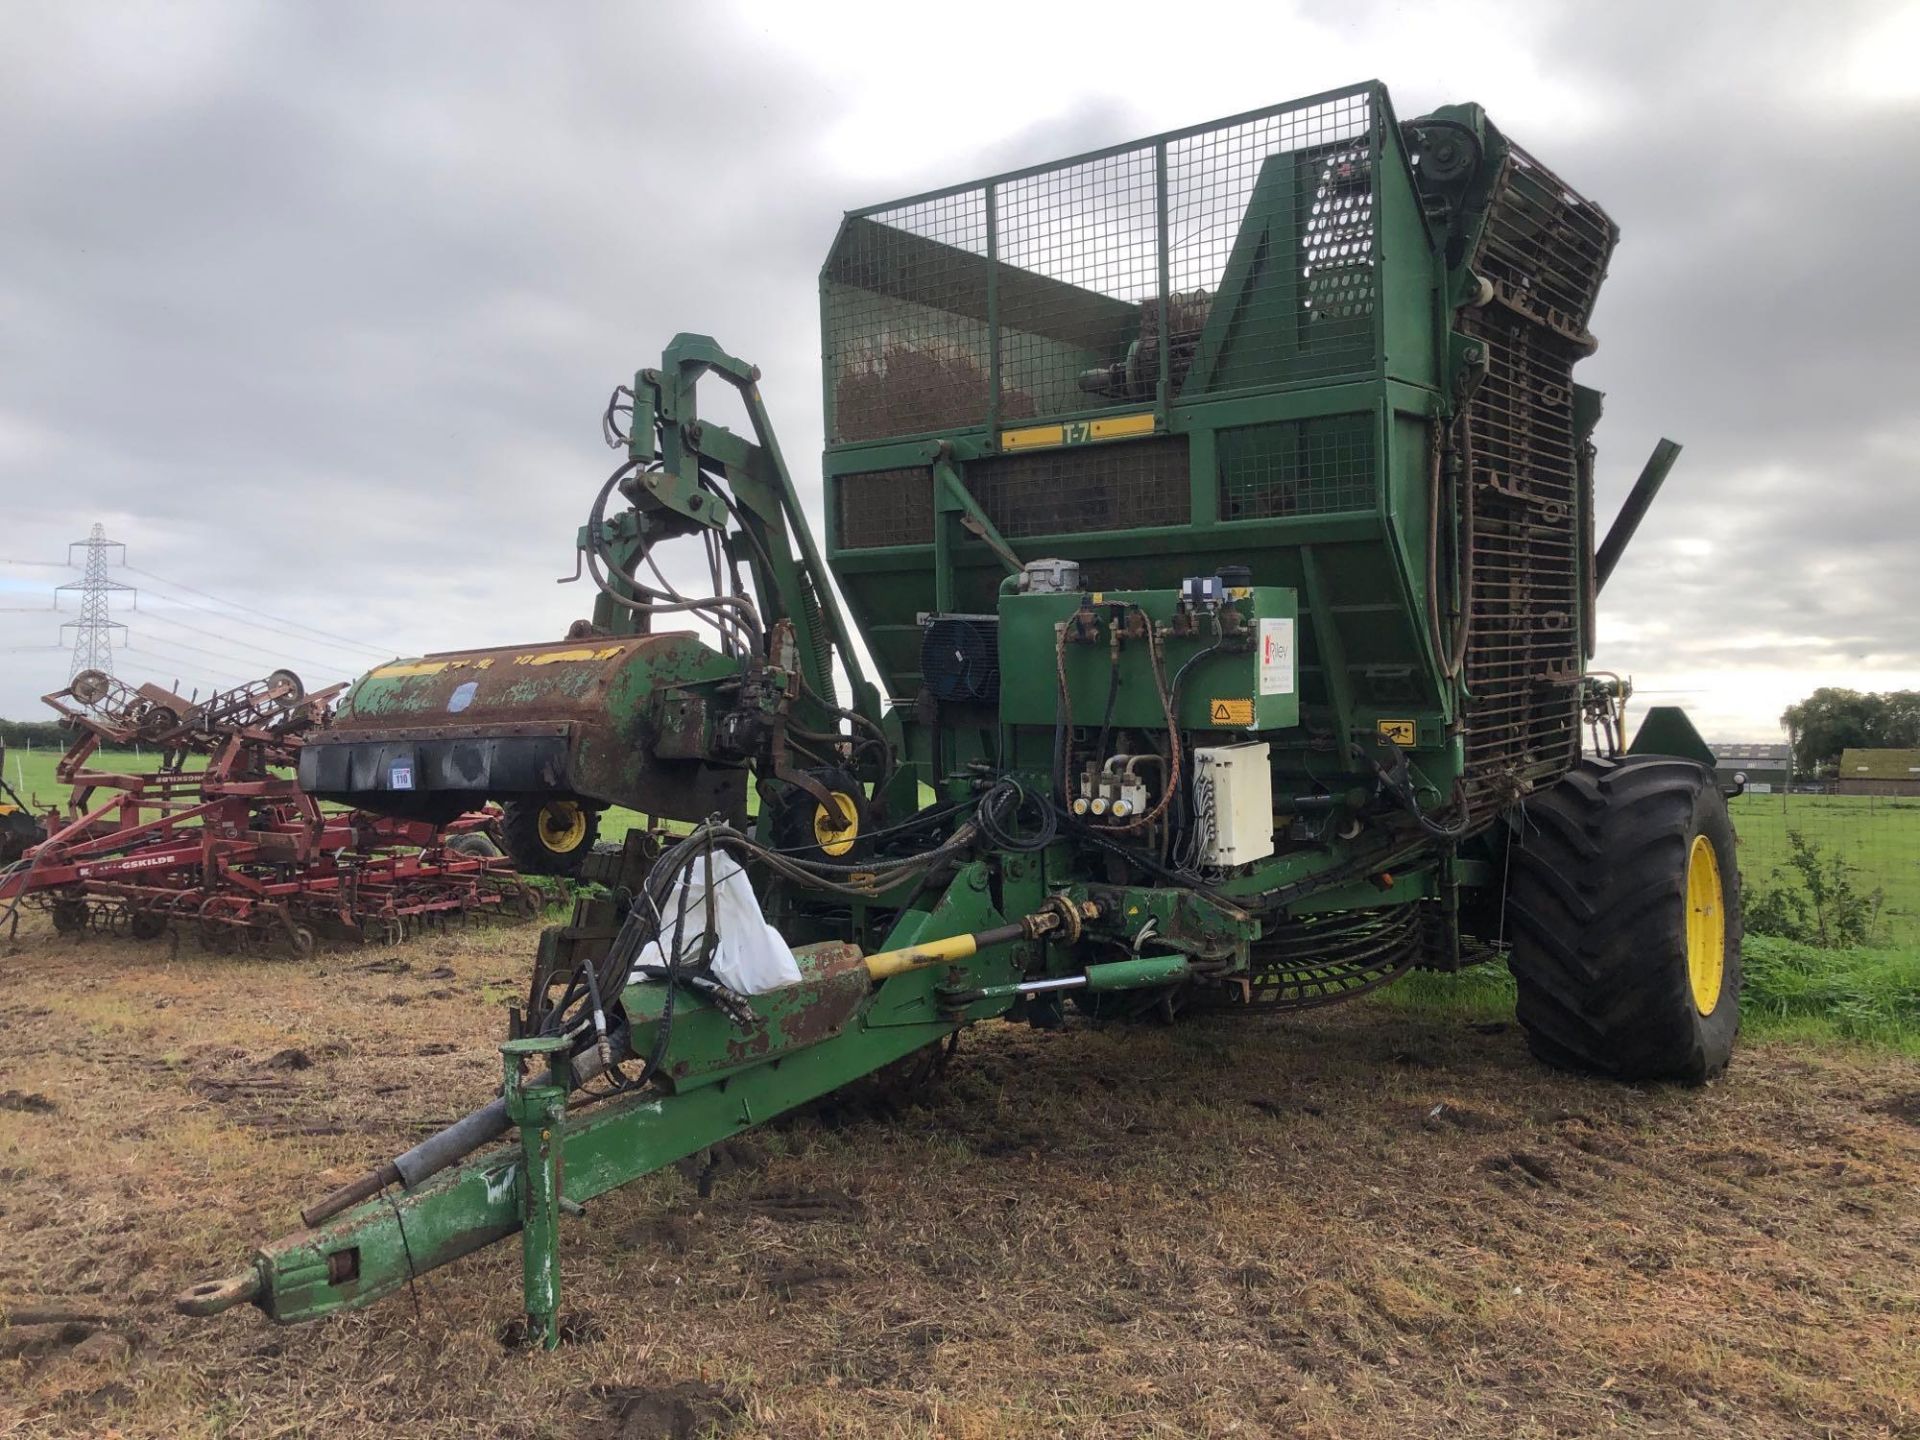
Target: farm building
x=1878, y=772
x=1767, y=766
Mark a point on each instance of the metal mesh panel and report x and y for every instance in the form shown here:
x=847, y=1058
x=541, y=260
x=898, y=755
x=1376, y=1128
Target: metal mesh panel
x=1338, y=255
x=1271, y=277
x=904, y=315
x=1078, y=251
x=1546, y=249
x=884, y=507
x=1096, y=487
x=1297, y=467
x=1273, y=218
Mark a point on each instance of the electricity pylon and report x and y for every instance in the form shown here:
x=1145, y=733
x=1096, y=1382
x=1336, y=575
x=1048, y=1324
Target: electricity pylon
x=93, y=631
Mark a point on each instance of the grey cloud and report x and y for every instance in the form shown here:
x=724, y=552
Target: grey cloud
x=331, y=326
x=316, y=305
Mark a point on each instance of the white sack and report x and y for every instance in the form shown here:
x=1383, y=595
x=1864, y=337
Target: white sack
x=751, y=957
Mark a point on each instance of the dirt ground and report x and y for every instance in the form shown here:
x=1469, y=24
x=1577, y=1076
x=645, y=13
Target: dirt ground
x=1355, y=1223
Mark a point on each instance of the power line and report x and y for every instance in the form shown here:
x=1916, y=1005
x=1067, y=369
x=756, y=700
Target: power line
x=202, y=650
x=255, y=610
x=196, y=668
x=316, y=634
x=148, y=616
x=270, y=629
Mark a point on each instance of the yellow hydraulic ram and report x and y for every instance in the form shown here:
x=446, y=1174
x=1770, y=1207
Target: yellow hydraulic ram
x=1059, y=917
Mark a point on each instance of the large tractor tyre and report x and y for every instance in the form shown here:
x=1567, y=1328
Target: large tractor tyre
x=549, y=837
x=1623, y=906
x=19, y=833
x=801, y=827
x=474, y=844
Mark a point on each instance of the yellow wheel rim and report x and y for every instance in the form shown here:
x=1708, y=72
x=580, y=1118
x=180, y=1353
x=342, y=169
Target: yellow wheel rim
x=563, y=825
x=837, y=842
x=1706, y=926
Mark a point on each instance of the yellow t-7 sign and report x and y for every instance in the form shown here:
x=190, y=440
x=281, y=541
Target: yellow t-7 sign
x=1078, y=432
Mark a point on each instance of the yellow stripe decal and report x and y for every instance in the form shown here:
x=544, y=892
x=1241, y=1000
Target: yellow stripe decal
x=1033, y=437
x=1078, y=432
x=1118, y=427
x=561, y=657
x=433, y=667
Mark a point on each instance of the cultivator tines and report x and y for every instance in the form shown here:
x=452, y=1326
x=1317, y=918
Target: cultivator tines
x=235, y=854
x=79, y=914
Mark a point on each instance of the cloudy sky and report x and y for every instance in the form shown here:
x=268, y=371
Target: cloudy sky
x=314, y=306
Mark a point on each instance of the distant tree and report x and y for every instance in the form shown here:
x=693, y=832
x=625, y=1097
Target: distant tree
x=39, y=734
x=1828, y=721
x=1900, y=721
x=1831, y=720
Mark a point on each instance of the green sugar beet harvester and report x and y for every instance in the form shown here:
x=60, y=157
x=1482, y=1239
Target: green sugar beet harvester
x=1213, y=521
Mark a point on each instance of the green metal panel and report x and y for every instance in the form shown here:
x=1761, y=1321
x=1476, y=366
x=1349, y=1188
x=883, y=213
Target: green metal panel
x=1298, y=330
x=1270, y=288
x=1246, y=680
x=819, y=1040
x=1666, y=730
x=1413, y=310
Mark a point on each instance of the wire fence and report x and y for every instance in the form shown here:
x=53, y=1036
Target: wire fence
x=1832, y=869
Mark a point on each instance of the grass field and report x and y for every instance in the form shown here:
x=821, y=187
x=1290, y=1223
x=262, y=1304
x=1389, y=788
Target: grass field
x=1879, y=836
x=1866, y=997
x=31, y=772
x=1374, y=1222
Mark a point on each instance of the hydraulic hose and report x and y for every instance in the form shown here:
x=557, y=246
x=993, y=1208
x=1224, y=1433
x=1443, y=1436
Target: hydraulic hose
x=1172, y=787
x=657, y=602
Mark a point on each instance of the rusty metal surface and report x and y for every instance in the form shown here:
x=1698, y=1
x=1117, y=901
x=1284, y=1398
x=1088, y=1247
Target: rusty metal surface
x=272, y=712
x=236, y=852
x=1546, y=250
x=707, y=1044
x=584, y=718
x=475, y=691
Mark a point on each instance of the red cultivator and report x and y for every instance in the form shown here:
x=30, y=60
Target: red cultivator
x=234, y=850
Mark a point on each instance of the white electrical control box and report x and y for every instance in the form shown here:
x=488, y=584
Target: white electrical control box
x=1233, y=804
